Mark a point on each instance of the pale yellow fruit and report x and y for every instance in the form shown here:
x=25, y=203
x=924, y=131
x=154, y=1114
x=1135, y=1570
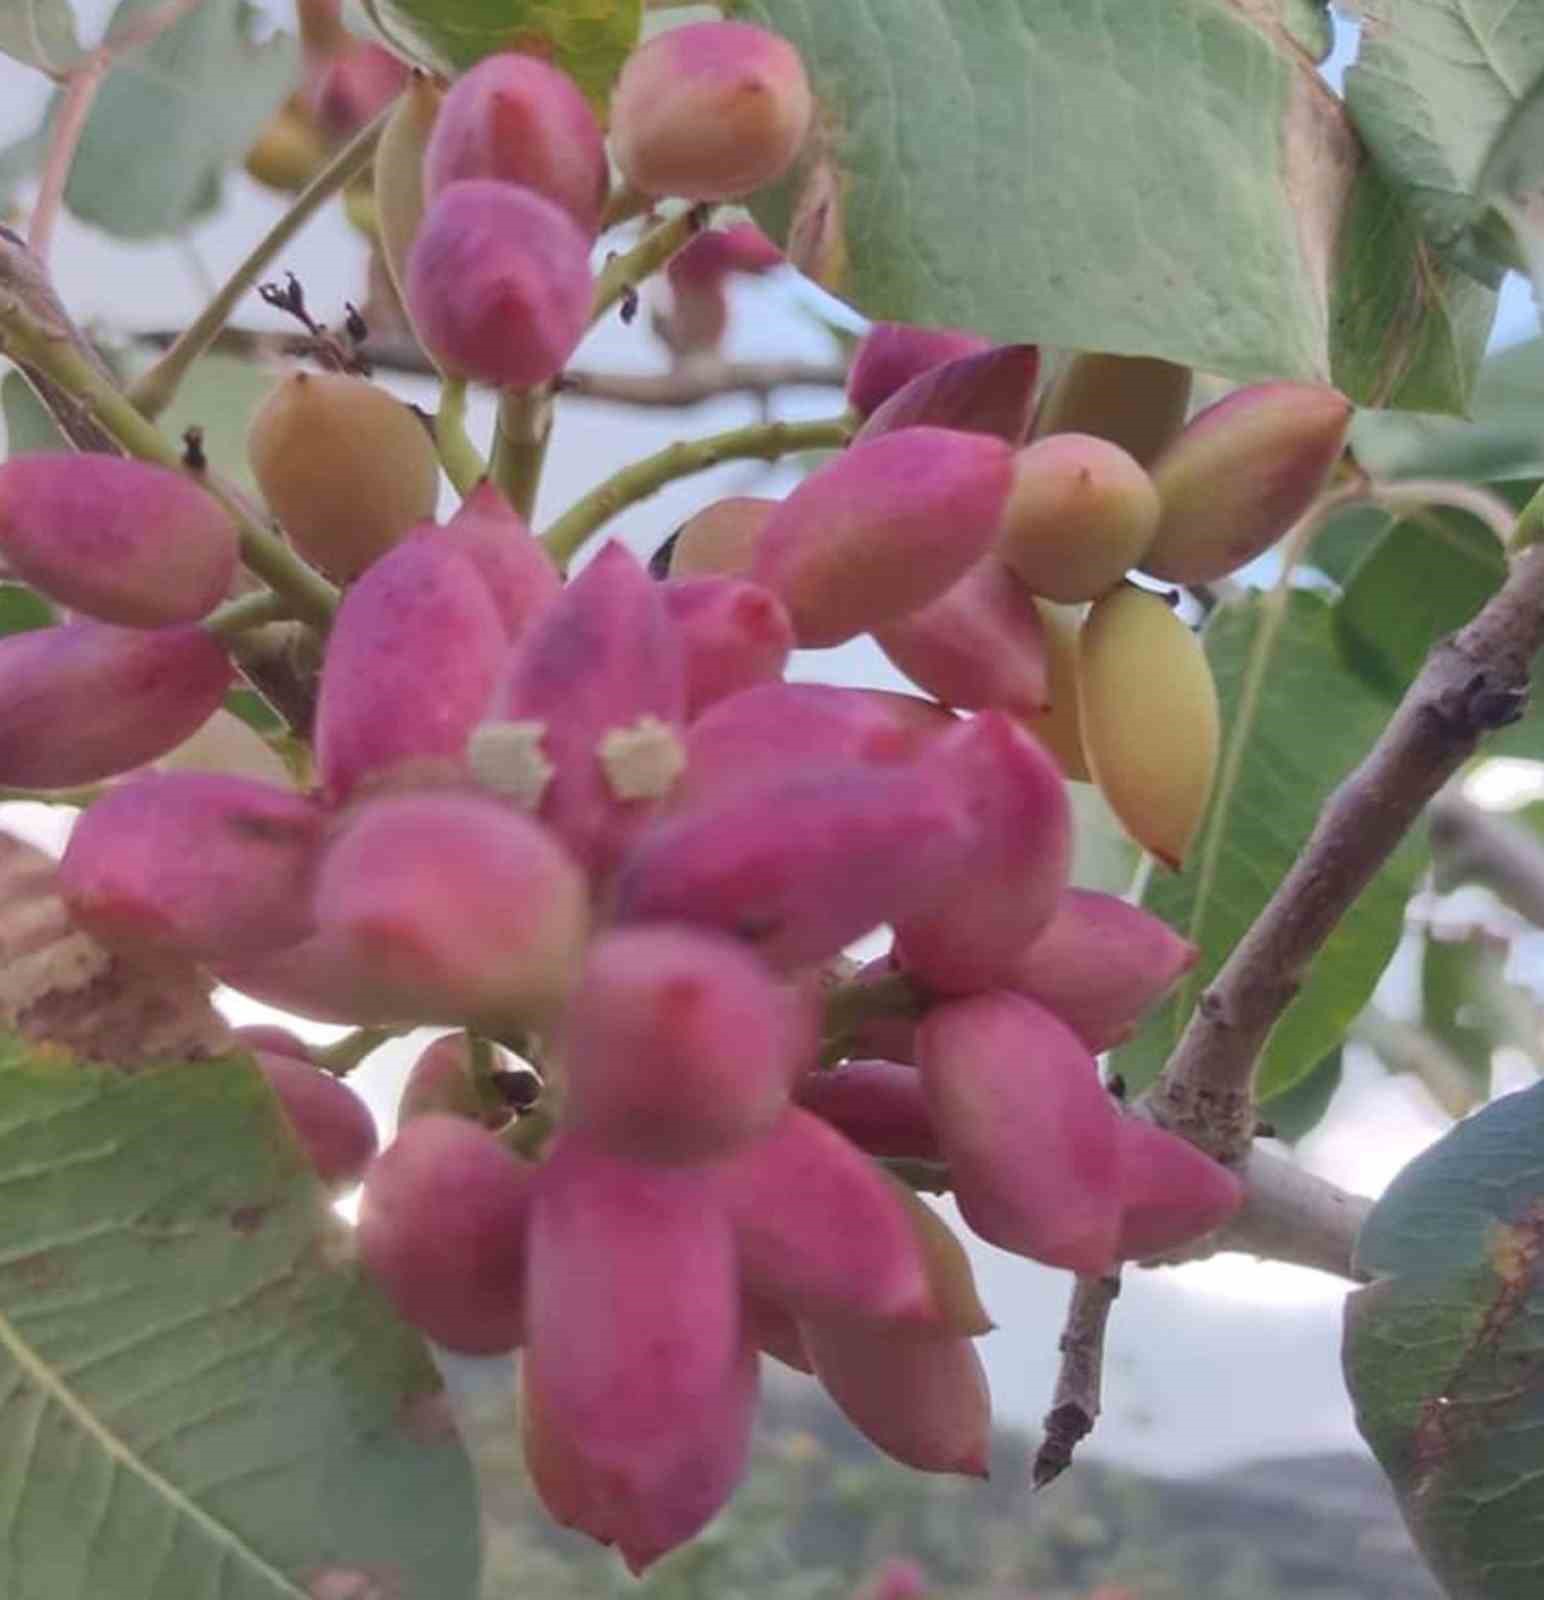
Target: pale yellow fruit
x=1060, y=729
x=346, y=468
x=1151, y=728
x=288, y=151
x=1079, y=517
x=721, y=539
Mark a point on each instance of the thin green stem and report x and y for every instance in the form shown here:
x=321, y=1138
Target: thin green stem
x=520, y=445
x=626, y=271
x=30, y=342
x=341, y=1057
x=1529, y=527
x=461, y=459
x=247, y=611
x=156, y=388
x=758, y=441
x=81, y=796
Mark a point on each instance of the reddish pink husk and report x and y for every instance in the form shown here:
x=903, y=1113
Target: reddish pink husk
x=765, y=732
x=122, y=541
x=891, y=354
x=1100, y=964
x=602, y=660
x=639, y=1380
x=696, y=319
x=735, y=635
x=412, y=663
x=357, y=84
x=322, y=978
x=194, y=864
x=980, y=643
x=332, y=1123
x=441, y=1082
x=799, y=867
x=679, y=1045
x=513, y=562
x=922, y=1399
x=1007, y=888
x=455, y=907
x=993, y=392
x=879, y=1105
x=516, y=119
x=784, y=1194
x=85, y=700
x=498, y=283
x=1171, y=1193
x=716, y=252
x=1029, y=1133
x=885, y=528
x=443, y=1231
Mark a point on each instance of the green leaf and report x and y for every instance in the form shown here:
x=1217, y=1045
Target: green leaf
x=1432, y=86
x=1296, y=1112
x=23, y=609
x=19, y=160
x=28, y=426
x=1346, y=538
x=1411, y=338
x=1163, y=177
x=172, y=117
x=1296, y=720
x=1422, y=580
x=1513, y=181
x=220, y=395
x=39, y=33
x=1441, y=1354
x=588, y=39
x=203, y=1397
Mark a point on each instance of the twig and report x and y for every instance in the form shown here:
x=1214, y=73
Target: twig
x=623, y=273
x=458, y=455
x=1471, y=683
x=1474, y=845
x=1290, y=1215
x=157, y=387
x=1075, y=1400
x=1408, y=497
x=520, y=436
x=761, y=441
x=1404, y=1047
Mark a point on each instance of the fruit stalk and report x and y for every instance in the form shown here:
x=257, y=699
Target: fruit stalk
x=758, y=441
x=626, y=271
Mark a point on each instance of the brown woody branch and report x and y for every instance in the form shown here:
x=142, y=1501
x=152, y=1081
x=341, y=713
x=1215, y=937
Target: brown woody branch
x=1472, y=683
x=1075, y=1401
x=1475, y=845
x=687, y=385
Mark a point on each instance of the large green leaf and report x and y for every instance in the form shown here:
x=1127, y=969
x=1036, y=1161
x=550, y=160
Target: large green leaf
x=1423, y=579
x=23, y=609
x=1156, y=177
x=1433, y=85
x=40, y=33
x=1513, y=181
x=1442, y=1353
x=1296, y=719
x=589, y=39
x=173, y=116
x=28, y=426
x=200, y=1397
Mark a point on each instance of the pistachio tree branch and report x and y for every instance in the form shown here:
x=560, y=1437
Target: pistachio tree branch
x=760, y=441
x=1471, y=683
x=157, y=387
x=1075, y=1402
x=1473, y=845
x=624, y=272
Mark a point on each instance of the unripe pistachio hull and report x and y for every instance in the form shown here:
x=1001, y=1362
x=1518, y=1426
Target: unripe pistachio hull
x=710, y=111
x=346, y=468
x=514, y=563
x=980, y=644
x=194, y=864
x=1028, y=1130
x=465, y=911
x=398, y=174
x=122, y=541
x=1059, y=727
x=1151, y=725
x=498, y=283
x=517, y=119
x=1240, y=475
x=442, y=1230
x=991, y=393
x=734, y=634
x=720, y=539
x=879, y=1105
x=1171, y=1192
x=412, y=665
x=884, y=529
x=333, y=1125
x=891, y=354
x=86, y=701
x=680, y=1046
